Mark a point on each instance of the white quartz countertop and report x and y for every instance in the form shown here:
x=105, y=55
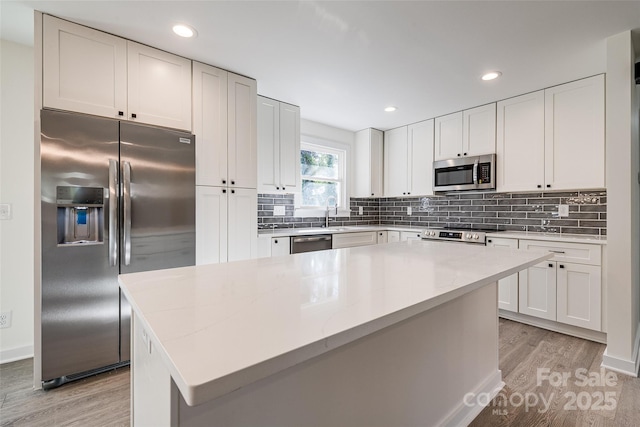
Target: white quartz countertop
x=551, y=237
x=283, y=232
x=220, y=327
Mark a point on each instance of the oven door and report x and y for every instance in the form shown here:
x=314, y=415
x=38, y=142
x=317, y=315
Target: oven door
x=466, y=173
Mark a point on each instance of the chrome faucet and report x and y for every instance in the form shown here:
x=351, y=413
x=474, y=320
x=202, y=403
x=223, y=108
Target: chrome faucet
x=326, y=212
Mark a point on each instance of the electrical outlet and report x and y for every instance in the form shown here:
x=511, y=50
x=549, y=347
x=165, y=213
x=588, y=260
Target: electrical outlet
x=409, y=212
x=5, y=211
x=360, y=210
x=5, y=319
x=278, y=210
x=563, y=210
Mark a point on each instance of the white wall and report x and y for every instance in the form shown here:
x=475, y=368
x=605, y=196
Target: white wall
x=623, y=201
x=326, y=132
x=16, y=188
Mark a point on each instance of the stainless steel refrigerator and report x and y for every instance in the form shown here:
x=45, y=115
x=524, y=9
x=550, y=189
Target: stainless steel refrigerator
x=117, y=197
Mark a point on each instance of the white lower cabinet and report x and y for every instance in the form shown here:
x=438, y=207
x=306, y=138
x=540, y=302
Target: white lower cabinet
x=537, y=290
x=566, y=292
x=226, y=224
x=393, y=236
x=410, y=235
x=349, y=240
x=507, y=287
x=280, y=246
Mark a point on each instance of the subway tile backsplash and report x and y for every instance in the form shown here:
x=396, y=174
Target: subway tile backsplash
x=534, y=211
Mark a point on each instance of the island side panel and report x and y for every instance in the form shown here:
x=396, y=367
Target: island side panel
x=416, y=372
x=154, y=401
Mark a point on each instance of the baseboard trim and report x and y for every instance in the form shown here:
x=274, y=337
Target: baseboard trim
x=550, y=325
x=623, y=366
x=464, y=414
x=16, y=353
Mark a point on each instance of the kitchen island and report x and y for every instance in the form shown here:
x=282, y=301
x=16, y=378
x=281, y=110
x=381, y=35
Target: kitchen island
x=396, y=334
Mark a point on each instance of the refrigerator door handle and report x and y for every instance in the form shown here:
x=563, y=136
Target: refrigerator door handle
x=113, y=212
x=126, y=210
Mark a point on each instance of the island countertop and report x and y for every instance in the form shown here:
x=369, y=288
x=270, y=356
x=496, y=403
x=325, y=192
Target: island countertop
x=220, y=327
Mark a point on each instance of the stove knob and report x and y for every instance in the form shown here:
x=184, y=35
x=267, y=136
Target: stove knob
x=468, y=236
x=476, y=237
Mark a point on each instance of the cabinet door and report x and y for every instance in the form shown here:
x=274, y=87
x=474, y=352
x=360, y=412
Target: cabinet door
x=574, y=135
x=448, y=136
x=520, y=143
x=537, y=290
x=421, y=158
x=211, y=225
x=242, y=224
x=84, y=70
x=580, y=295
x=507, y=287
x=210, y=124
x=395, y=162
x=409, y=235
x=368, y=164
x=289, y=148
x=349, y=240
x=268, y=132
x=382, y=237
x=242, y=131
x=393, y=236
x=159, y=87
x=280, y=246
x=479, y=130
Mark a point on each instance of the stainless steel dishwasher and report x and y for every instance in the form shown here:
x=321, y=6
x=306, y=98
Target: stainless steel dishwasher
x=316, y=242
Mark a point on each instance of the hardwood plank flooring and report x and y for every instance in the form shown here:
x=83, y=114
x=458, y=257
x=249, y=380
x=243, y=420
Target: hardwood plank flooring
x=524, y=350
x=103, y=400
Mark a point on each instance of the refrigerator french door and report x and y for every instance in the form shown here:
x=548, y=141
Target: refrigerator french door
x=117, y=197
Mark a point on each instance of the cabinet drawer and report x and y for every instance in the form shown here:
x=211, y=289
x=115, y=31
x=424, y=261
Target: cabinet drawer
x=578, y=253
x=349, y=240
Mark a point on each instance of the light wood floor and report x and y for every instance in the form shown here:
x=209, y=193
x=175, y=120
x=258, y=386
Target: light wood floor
x=103, y=400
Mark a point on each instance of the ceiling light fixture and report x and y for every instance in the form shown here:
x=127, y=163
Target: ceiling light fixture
x=184, y=30
x=390, y=109
x=491, y=75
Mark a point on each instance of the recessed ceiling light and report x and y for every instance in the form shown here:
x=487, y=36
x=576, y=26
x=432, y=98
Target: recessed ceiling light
x=491, y=75
x=184, y=30
x=390, y=109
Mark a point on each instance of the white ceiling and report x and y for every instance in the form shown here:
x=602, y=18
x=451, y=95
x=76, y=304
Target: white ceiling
x=344, y=61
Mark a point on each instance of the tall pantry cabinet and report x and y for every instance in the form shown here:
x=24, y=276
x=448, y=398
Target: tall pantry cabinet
x=224, y=122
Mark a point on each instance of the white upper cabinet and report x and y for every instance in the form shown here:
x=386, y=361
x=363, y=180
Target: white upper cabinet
x=420, y=150
x=278, y=146
x=159, y=86
x=520, y=143
x=83, y=69
x=91, y=72
x=242, y=132
x=479, y=130
x=408, y=160
x=466, y=133
x=368, y=154
x=575, y=135
x=210, y=124
x=396, y=153
x=448, y=136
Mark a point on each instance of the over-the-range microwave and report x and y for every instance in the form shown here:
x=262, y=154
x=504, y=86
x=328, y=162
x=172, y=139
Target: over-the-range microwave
x=465, y=173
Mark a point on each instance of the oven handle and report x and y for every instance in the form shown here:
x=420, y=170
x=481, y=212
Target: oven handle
x=311, y=239
x=475, y=172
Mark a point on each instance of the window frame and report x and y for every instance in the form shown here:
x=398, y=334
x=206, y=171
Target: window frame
x=310, y=143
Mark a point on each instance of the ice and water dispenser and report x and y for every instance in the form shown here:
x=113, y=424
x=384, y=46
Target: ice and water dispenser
x=80, y=215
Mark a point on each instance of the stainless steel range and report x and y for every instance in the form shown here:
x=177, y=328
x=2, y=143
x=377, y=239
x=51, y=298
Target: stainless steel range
x=464, y=235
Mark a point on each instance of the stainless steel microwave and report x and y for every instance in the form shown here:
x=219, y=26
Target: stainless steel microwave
x=465, y=173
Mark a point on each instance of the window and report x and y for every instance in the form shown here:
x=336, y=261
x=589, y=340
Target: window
x=323, y=171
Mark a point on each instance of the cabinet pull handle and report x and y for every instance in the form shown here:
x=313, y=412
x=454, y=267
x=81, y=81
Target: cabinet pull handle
x=489, y=241
x=277, y=188
x=550, y=265
x=233, y=183
x=121, y=113
x=233, y=191
x=539, y=186
x=458, y=154
x=464, y=154
x=556, y=252
x=548, y=185
x=275, y=241
x=283, y=188
x=561, y=266
x=372, y=194
x=224, y=190
x=133, y=115
x=224, y=181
